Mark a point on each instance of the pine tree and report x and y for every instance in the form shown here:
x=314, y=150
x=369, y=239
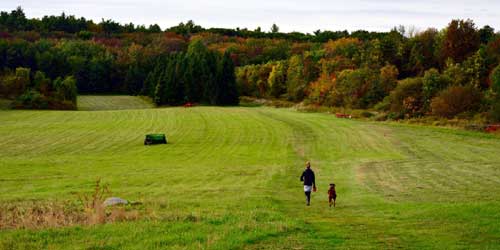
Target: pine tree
x=227, y=92
x=159, y=90
x=187, y=78
x=149, y=87
x=173, y=80
x=212, y=79
x=134, y=79
x=197, y=56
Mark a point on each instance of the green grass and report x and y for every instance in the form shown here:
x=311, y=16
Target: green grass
x=116, y=102
x=228, y=179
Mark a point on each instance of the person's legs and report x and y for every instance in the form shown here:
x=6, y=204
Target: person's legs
x=330, y=201
x=334, y=198
x=308, y=197
x=307, y=192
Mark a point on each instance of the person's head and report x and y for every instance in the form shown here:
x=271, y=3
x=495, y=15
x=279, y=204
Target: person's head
x=332, y=185
x=308, y=164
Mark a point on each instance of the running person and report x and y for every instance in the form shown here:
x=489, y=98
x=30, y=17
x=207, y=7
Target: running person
x=309, y=182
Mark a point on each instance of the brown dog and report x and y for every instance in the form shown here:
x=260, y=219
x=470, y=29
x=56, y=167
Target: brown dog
x=332, y=195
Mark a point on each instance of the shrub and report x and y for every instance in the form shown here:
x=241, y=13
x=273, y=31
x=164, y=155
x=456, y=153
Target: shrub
x=385, y=104
x=277, y=80
x=41, y=82
x=16, y=84
x=495, y=80
x=388, y=78
x=320, y=90
x=358, y=88
x=362, y=114
x=455, y=100
x=85, y=35
x=380, y=117
x=495, y=111
x=31, y=99
x=406, y=99
x=66, y=89
x=433, y=82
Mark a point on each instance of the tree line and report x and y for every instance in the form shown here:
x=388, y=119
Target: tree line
x=16, y=20
x=451, y=72
x=37, y=91
x=196, y=76
x=169, y=75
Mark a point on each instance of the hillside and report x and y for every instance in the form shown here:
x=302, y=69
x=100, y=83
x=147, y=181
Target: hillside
x=228, y=179
x=451, y=73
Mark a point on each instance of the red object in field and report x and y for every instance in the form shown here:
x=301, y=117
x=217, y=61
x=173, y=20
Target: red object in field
x=340, y=115
x=188, y=105
x=492, y=128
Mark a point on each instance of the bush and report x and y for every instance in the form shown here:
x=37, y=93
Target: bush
x=31, y=99
x=495, y=80
x=384, y=104
x=495, y=111
x=85, y=35
x=66, y=89
x=406, y=99
x=388, y=78
x=366, y=114
x=359, y=88
x=455, y=100
x=433, y=82
x=380, y=117
x=13, y=85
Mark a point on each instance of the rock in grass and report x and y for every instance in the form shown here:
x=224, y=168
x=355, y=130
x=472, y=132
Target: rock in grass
x=114, y=201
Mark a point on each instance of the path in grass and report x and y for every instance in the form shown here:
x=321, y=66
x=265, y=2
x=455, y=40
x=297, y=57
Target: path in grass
x=229, y=179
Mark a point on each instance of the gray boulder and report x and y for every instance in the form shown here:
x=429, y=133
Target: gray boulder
x=114, y=201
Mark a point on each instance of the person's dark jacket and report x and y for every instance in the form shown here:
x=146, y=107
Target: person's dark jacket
x=308, y=177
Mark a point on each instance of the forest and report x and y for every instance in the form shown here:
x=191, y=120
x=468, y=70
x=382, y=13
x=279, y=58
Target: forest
x=452, y=72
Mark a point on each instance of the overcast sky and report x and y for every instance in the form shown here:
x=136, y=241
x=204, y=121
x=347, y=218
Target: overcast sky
x=289, y=15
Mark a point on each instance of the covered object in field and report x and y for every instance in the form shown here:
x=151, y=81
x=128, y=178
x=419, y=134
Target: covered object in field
x=155, y=139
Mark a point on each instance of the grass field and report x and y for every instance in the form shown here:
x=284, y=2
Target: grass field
x=229, y=179
x=92, y=103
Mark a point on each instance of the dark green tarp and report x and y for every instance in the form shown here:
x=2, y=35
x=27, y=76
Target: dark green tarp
x=155, y=139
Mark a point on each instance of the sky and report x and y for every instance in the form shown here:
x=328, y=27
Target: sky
x=290, y=15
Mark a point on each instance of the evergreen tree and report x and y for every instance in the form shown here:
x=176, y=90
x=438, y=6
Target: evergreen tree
x=226, y=90
x=275, y=28
x=173, y=80
x=187, y=77
x=198, y=67
x=212, y=80
x=134, y=79
x=151, y=81
x=158, y=94
x=160, y=80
